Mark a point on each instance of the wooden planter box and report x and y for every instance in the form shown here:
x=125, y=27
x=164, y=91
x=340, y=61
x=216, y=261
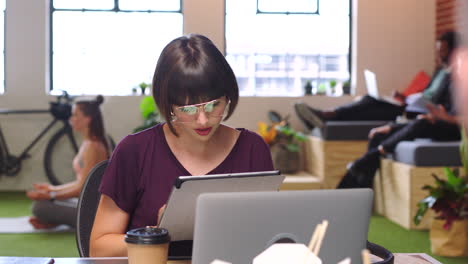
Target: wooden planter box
x=398, y=190
x=452, y=242
x=327, y=159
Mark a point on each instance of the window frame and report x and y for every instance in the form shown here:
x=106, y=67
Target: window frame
x=350, y=47
x=4, y=48
x=115, y=9
x=290, y=13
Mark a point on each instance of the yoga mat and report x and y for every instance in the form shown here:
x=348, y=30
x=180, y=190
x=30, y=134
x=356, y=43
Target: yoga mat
x=19, y=225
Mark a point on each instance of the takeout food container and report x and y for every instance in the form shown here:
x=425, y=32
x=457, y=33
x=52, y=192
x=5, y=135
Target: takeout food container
x=287, y=253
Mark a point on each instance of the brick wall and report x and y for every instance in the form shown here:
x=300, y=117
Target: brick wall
x=445, y=15
x=462, y=18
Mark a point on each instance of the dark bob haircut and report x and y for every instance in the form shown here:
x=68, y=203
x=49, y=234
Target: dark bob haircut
x=452, y=39
x=192, y=70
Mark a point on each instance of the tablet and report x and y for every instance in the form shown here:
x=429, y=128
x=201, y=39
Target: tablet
x=179, y=215
x=417, y=103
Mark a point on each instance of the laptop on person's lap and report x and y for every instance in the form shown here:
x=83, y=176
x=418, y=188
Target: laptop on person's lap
x=416, y=102
x=236, y=227
x=373, y=89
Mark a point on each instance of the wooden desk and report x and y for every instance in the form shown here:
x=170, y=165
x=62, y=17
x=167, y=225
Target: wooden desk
x=400, y=258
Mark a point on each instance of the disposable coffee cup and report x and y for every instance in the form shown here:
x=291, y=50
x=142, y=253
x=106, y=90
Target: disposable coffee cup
x=147, y=245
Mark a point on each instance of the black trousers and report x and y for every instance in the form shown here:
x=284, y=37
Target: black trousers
x=368, y=108
x=362, y=172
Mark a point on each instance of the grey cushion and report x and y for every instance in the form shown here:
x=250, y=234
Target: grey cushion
x=346, y=130
x=424, y=152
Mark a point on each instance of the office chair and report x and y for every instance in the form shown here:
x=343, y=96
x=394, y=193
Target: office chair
x=87, y=206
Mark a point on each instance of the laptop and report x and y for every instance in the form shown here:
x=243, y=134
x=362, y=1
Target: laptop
x=373, y=90
x=236, y=227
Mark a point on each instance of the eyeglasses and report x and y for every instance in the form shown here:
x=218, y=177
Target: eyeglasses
x=213, y=109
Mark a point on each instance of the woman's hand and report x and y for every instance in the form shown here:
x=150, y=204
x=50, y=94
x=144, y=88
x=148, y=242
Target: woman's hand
x=160, y=213
x=380, y=130
x=438, y=112
x=38, y=195
x=399, y=96
x=42, y=187
x=429, y=117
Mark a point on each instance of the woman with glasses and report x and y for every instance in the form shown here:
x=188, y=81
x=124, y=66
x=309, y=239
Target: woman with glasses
x=195, y=90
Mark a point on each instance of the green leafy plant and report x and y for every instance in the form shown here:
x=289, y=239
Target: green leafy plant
x=448, y=198
x=290, y=137
x=332, y=86
x=464, y=151
x=149, y=113
x=143, y=87
x=281, y=133
x=322, y=89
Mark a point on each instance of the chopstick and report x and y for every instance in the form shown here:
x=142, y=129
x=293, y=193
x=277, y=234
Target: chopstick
x=313, y=239
x=321, y=236
x=317, y=237
x=365, y=256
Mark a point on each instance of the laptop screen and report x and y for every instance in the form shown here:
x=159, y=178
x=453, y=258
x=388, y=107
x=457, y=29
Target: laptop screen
x=371, y=83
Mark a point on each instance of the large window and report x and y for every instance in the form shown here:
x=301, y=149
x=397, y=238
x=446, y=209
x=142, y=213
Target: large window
x=2, y=45
x=109, y=46
x=276, y=50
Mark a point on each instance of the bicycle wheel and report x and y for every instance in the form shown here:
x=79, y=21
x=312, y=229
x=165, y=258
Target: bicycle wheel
x=58, y=157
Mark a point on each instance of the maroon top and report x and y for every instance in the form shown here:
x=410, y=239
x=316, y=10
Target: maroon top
x=142, y=171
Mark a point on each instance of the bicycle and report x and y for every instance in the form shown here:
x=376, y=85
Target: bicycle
x=56, y=151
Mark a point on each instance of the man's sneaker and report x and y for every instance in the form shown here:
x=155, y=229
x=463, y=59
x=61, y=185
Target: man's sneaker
x=300, y=109
x=308, y=115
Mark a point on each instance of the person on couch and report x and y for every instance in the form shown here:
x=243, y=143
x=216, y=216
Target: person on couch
x=461, y=65
x=370, y=108
x=439, y=124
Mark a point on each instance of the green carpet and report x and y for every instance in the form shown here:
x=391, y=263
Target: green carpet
x=12, y=204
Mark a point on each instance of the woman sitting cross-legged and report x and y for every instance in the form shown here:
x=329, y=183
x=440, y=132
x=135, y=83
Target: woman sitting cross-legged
x=57, y=204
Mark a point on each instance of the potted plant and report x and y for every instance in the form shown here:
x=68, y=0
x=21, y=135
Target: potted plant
x=149, y=113
x=308, y=88
x=284, y=144
x=332, y=86
x=449, y=199
x=143, y=87
x=322, y=89
x=347, y=87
